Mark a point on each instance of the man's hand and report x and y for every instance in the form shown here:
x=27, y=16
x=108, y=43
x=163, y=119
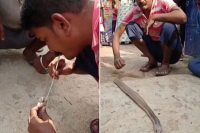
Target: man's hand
x=63, y=69
x=149, y=23
x=1, y=30
x=119, y=63
x=40, y=125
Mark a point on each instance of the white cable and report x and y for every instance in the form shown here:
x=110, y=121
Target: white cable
x=52, y=81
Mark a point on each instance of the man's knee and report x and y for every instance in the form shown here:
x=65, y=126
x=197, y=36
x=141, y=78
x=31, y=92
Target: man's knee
x=192, y=63
x=194, y=66
x=169, y=35
x=133, y=30
x=168, y=28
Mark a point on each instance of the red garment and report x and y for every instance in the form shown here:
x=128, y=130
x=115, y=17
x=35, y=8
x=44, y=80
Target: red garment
x=158, y=7
x=95, y=28
x=115, y=11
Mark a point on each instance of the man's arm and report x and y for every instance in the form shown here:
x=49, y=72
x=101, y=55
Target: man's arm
x=118, y=61
x=116, y=38
x=176, y=15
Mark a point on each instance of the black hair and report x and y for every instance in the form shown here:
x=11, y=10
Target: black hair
x=113, y=3
x=37, y=13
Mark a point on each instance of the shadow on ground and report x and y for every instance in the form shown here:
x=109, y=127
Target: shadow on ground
x=134, y=62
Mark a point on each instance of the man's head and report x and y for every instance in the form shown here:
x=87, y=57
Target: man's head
x=113, y=3
x=144, y=4
x=58, y=22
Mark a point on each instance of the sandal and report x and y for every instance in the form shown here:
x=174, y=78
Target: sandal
x=163, y=71
x=149, y=66
x=94, y=126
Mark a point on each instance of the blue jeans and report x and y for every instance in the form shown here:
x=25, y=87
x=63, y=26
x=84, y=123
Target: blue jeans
x=194, y=66
x=168, y=35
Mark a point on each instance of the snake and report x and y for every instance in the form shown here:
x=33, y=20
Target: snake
x=141, y=103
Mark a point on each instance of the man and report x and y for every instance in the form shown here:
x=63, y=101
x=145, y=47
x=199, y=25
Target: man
x=150, y=25
x=194, y=64
x=182, y=5
x=72, y=29
x=13, y=36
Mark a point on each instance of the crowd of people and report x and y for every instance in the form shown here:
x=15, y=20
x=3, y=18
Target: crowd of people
x=157, y=29
x=151, y=25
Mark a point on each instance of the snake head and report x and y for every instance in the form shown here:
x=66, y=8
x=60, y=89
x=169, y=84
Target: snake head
x=42, y=102
x=158, y=128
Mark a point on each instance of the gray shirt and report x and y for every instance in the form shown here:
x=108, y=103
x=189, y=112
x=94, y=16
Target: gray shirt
x=10, y=13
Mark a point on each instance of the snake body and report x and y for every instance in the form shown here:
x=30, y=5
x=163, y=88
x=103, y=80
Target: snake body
x=141, y=103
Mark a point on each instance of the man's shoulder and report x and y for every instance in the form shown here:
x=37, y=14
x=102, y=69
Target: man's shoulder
x=165, y=4
x=136, y=9
x=165, y=1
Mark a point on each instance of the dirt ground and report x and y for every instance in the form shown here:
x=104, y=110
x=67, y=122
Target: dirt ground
x=72, y=104
x=133, y=60
x=174, y=98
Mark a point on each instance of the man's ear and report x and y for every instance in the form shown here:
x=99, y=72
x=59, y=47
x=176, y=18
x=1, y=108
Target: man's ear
x=60, y=23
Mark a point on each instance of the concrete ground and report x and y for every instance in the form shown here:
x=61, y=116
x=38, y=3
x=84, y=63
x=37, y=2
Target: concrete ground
x=175, y=98
x=72, y=104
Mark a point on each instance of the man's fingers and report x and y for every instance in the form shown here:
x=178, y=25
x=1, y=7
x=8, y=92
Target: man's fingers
x=116, y=65
x=61, y=63
x=50, y=70
x=29, y=120
x=146, y=29
x=54, y=72
x=119, y=65
x=122, y=62
x=45, y=116
x=33, y=111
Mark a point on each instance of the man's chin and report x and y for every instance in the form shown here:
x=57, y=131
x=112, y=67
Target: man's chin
x=144, y=7
x=69, y=57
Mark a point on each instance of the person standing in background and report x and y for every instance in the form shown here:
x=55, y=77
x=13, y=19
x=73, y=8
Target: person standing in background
x=194, y=64
x=114, y=18
x=124, y=7
x=107, y=22
x=182, y=5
